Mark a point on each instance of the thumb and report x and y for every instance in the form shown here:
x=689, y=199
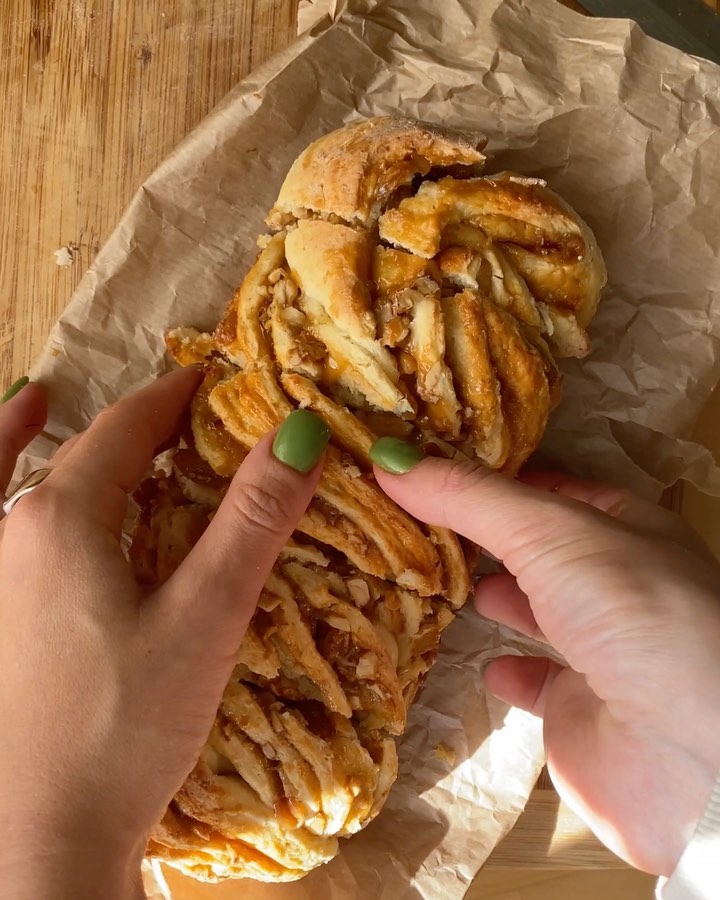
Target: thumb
x=515, y=522
x=571, y=560
x=218, y=585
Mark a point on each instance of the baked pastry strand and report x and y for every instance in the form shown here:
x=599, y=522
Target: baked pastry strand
x=399, y=292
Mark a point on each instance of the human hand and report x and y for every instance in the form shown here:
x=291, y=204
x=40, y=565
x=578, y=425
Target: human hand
x=108, y=692
x=630, y=597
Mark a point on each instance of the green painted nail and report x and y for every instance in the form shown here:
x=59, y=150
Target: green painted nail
x=14, y=389
x=395, y=456
x=301, y=440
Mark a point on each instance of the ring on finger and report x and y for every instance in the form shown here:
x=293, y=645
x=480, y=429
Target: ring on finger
x=28, y=484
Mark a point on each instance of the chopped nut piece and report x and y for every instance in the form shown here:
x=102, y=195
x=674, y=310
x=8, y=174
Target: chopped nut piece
x=359, y=591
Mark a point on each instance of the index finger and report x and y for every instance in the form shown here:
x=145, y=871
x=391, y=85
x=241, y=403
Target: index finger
x=21, y=419
x=620, y=503
x=108, y=460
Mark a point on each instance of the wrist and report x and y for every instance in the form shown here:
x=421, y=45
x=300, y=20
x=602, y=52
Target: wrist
x=82, y=875
x=63, y=861
x=697, y=870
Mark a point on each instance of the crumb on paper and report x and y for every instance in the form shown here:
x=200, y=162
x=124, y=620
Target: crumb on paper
x=65, y=256
x=445, y=754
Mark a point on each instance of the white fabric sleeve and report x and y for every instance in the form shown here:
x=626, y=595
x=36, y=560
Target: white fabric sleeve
x=697, y=876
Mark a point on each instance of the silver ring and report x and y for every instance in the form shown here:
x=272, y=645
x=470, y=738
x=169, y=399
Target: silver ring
x=29, y=483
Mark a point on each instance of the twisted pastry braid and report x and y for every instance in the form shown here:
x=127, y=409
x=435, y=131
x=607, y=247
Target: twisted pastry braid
x=399, y=293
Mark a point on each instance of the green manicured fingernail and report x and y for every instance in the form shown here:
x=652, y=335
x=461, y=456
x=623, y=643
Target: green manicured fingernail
x=395, y=456
x=14, y=389
x=301, y=440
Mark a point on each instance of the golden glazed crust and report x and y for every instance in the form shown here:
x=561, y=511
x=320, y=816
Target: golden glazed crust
x=550, y=247
x=401, y=294
x=351, y=173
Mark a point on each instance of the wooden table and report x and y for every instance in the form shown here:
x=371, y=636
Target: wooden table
x=96, y=93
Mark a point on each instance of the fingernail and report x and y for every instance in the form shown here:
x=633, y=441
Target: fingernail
x=14, y=389
x=395, y=456
x=301, y=440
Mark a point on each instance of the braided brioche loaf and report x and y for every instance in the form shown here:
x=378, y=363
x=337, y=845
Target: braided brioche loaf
x=399, y=293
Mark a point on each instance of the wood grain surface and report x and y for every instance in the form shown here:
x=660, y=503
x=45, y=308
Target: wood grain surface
x=559, y=885
x=94, y=94
x=491, y=884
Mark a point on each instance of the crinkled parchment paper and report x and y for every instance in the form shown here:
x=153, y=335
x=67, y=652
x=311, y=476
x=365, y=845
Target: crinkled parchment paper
x=628, y=130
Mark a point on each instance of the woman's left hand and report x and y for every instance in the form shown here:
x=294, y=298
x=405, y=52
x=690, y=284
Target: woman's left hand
x=108, y=691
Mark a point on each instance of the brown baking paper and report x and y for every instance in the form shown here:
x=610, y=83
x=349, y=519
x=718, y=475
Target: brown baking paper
x=623, y=127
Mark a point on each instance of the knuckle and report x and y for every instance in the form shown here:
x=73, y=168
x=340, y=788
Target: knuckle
x=107, y=414
x=108, y=420
x=121, y=422
x=260, y=508
x=460, y=476
x=103, y=423
x=64, y=450
x=460, y=479
x=42, y=506
x=617, y=501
